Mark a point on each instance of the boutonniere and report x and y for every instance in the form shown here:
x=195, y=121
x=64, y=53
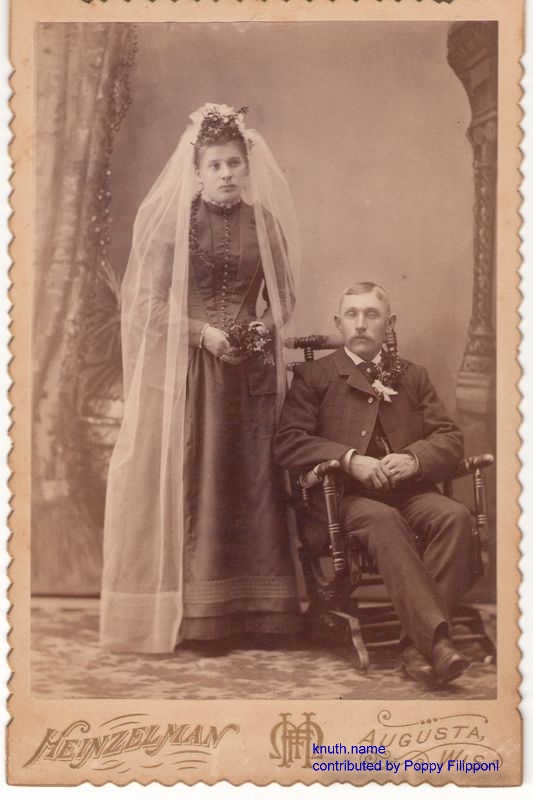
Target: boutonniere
x=384, y=391
x=388, y=376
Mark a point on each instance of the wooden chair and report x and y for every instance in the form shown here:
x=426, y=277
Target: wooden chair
x=335, y=614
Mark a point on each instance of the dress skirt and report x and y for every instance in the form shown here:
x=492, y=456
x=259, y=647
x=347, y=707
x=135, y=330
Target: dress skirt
x=238, y=570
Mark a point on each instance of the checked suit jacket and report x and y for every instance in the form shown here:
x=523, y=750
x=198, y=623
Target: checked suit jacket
x=331, y=408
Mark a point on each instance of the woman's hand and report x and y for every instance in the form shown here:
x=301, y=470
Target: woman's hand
x=217, y=342
x=234, y=356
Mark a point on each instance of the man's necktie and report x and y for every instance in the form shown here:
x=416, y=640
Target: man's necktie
x=369, y=370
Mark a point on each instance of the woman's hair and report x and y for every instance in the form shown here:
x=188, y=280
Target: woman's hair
x=218, y=129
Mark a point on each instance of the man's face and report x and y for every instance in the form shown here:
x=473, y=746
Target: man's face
x=363, y=321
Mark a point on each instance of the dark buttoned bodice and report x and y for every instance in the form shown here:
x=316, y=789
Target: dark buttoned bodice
x=225, y=275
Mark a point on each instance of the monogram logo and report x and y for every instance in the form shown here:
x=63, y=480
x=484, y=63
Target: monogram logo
x=291, y=742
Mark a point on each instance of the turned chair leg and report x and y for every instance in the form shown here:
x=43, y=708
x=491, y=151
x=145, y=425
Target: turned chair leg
x=358, y=651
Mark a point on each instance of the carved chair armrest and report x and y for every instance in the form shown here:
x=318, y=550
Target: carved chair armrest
x=474, y=465
x=469, y=465
x=298, y=497
x=325, y=473
x=316, y=475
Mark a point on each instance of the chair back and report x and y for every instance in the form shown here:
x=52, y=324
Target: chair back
x=309, y=344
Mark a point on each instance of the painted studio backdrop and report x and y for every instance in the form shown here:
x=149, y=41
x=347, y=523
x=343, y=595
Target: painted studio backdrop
x=387, y=135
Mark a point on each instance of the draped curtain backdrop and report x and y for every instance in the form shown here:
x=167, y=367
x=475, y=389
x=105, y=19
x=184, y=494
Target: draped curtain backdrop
x=82, y=96
x=412, y=228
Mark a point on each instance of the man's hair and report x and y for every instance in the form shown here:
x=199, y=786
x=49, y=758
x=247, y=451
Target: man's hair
x=364, y=287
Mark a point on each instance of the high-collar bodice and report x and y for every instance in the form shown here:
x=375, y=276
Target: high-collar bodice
x=221, y=208
x=226, y=274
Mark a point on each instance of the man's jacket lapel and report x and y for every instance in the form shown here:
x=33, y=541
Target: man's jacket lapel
x=354, y=376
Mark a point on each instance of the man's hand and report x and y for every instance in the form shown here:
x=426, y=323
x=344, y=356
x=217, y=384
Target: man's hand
x=371, y=472
x=401, y=466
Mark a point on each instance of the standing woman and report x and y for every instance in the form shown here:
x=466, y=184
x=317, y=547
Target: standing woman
x=195, y=543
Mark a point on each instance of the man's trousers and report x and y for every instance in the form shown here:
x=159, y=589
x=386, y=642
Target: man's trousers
x=423, y=588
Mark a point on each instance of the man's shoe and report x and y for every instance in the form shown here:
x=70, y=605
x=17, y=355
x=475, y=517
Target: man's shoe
x=416, y=665
x=448, y=664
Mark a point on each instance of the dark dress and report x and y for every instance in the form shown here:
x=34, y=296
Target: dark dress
x=238, y=570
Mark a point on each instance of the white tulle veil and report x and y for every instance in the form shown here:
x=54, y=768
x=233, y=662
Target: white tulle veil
x=142, y=589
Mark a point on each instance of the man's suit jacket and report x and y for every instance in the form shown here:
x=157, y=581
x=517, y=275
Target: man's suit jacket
x=331, y=407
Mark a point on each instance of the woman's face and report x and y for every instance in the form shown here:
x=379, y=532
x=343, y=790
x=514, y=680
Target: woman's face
x=223, y=171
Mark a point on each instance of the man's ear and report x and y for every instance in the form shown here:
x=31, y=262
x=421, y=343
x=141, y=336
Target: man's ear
x=337, y=321
x=391, y=322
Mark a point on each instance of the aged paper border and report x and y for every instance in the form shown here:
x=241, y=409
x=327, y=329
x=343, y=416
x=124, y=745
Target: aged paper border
x=245, y=755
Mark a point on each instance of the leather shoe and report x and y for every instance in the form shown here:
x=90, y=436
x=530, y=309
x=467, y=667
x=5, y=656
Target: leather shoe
x=448, y=664
x=416, y=665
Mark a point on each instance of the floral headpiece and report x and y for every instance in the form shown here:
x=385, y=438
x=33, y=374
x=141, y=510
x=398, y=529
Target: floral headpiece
x=212, y=121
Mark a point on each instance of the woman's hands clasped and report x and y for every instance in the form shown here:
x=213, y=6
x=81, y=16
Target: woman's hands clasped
x=217, y=342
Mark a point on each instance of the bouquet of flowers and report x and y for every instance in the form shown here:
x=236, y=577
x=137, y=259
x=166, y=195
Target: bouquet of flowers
x=252, y=339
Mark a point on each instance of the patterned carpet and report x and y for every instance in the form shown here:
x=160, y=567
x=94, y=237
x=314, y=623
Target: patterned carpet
x=67, y=662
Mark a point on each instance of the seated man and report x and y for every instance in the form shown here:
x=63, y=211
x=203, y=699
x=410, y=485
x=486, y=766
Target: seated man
x=382, y=419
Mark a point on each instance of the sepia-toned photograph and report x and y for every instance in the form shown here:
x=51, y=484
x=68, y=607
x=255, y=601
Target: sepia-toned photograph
x=202, y=228
x=265, y=456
